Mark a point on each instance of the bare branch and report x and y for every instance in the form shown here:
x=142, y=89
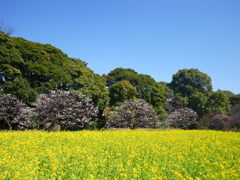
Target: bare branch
x=7, y=29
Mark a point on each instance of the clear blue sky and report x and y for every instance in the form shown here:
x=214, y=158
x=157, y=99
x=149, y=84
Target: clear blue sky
x=155, y=37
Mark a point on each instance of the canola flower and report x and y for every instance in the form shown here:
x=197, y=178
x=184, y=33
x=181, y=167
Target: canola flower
x=133, y=154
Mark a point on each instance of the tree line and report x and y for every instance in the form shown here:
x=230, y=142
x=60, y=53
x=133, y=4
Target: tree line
x=34, y=76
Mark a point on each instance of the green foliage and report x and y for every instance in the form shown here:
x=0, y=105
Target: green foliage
x=36, y=68
x=147, y=88
x=174, y=102
x=119, y=74
x=197, y=102
x=121, y=91
x=228, y=93
x=218, y=102
x=235, y=99
x=196, y=87
x=188, y=81
x=215, y=102
x=21, y=89
x=29, y=69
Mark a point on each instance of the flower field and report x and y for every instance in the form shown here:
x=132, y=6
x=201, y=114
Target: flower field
x=138, y=154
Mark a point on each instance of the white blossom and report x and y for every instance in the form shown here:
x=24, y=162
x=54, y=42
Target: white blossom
x=70, y=109
x=14, y=114
x=184, y=118
x=133, y=114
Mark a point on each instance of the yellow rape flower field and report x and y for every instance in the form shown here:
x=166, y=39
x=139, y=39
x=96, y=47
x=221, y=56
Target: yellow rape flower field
x=131, y=154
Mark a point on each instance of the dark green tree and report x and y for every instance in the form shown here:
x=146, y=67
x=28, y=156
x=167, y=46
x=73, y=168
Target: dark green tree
x=188, y=81
x=215, y=102
x=218, y=102
x=21, y=89
x=198, y=102
x=147, y=88
x=235, y=99
x=121, y=91
x=35, y=67
x=196, y=88
x=228, y=93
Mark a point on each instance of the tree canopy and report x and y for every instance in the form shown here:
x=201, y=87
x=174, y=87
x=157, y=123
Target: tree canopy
x=29, y=69
x=121, y=91
x=147, y=88
x=195, y=88
x=41, y=67
x=189, y=81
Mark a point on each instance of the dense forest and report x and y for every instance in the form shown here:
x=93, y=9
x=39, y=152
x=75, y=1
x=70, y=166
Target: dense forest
x=32, y=74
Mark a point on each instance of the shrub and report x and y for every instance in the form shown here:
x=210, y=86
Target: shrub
x=183, y=118
x=133, y=114
x=14, y=114
x=69, y=109
x=217, y=122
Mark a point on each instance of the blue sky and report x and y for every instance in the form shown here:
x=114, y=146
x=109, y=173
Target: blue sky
x=155, y=37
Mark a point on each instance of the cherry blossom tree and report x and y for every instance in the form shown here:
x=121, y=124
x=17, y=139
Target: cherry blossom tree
x=14, y=114
x=133, y=114
x=70, y=109
x=183, y=118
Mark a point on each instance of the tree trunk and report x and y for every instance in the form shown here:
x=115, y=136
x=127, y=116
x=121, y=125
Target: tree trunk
x=50, y=128
x=9, y=125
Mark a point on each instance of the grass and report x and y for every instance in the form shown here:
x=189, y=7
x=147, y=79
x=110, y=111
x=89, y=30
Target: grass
x=130, y=154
